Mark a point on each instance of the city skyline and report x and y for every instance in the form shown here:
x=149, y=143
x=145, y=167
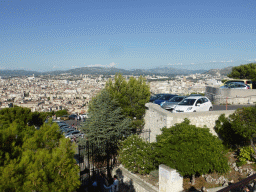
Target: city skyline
x=60, y=35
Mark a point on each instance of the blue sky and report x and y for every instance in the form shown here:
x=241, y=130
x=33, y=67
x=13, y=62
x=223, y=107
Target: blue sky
x=46, y=35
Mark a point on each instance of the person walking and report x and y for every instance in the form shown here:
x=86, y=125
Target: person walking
x=114, y=187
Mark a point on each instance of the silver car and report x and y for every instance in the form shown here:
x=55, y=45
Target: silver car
x=73, y=134
x=171, y=104
x=235, y=85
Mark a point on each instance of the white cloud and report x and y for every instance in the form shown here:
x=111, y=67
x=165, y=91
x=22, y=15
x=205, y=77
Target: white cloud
x=100, y=65
x=112, y=64
x=75, y=66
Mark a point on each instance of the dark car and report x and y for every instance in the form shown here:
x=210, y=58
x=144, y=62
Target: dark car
x=155, y=97
x=73, y=116
x=164, y=97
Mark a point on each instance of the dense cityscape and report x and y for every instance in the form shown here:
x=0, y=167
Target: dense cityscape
x=74, y=92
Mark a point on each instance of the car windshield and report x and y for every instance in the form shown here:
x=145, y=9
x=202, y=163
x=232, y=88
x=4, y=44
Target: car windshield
x=166, y=97
x=187, y=102
x=176, y=99
x=231, y=82
x=235, y=85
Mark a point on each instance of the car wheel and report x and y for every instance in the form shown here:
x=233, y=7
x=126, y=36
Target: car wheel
x=210, y=109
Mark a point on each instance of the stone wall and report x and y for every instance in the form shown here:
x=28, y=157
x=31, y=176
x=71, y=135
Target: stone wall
x=134, y=182
x=231, y=96
x=157, y=118
x=169, y=179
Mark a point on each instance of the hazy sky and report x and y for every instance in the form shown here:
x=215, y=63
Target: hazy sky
x=45, y=35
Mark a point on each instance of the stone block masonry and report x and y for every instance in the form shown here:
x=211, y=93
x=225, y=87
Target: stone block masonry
x=169, y=179
x=133, y=181
x=157, y=118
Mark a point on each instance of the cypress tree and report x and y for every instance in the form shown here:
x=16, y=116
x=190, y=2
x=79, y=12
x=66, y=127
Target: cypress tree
x=105, y=127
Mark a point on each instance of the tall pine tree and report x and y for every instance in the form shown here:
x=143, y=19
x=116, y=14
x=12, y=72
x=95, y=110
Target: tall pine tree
x=35, y=160
x=105, y=127
x=132, y=96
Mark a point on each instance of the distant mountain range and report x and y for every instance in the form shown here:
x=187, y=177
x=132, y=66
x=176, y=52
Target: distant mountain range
x=165, y=71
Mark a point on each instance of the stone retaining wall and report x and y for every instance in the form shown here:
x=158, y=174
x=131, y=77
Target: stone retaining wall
x=157, y=118
x=230, y=96
x=134, y=182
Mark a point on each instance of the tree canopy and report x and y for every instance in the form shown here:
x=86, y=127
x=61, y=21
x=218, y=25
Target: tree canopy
x=34, y=160
x=132, y=96
x=137, y=155
x=247, y=71
x=191, y=150
x=242, y=124
x=106, y=126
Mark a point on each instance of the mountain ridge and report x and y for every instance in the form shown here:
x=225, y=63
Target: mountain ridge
x=165, y=71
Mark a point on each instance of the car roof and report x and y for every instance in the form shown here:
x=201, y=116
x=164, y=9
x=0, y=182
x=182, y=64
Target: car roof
x=195, y=97
x=180, y=96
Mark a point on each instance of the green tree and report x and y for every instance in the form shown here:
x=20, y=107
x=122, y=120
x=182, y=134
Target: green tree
x=243, y=123
x=137, y=155
x=61, y=113
x=225, y=130
x=247, y=71
x=191, y=150
x=105, y=127
x=132, y=96
x=36, y=160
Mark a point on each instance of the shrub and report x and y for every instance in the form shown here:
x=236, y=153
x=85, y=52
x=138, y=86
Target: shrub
x=137, y=155
x=245, y=154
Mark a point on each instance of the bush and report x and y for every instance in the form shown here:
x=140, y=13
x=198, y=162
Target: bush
x=137, y=155
x=225, y=130
x=155, y=173
x=245, y=154
x=191, y=150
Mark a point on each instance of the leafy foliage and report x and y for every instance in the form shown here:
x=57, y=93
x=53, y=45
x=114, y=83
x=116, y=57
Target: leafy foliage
x=23, y=116
x=105, y=127
x=191, y=150
x=231, y=139
x=247, y=71
x=137, y=155
x=132, y=96
x=61, y=113
x=34, y=160
x=245, y=154
x=239, y=129
x=243, y=122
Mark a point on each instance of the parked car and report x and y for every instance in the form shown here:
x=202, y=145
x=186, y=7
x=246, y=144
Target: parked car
x=74, y=134
x=235, y=85
x=62, y=123
x=194, y=104
x=245, y=81
x=73, y=116
x=155, y=97
x=171, y=104
x=164, y=97
x=195, y=94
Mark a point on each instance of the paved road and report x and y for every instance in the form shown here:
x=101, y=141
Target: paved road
x=229, y=107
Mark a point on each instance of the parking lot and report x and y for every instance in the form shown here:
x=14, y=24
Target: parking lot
x=229, y=107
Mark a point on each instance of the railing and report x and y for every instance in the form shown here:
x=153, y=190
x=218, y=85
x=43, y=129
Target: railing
x=239, y=185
